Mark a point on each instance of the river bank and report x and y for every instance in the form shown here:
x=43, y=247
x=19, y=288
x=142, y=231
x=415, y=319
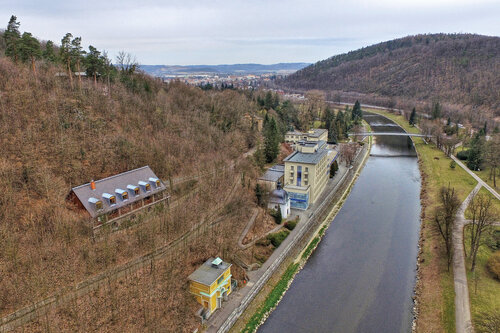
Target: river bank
x=362, y=274
x=435, y=309
x=271, y=294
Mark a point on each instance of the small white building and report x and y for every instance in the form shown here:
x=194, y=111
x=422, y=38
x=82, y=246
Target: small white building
x=279, y=199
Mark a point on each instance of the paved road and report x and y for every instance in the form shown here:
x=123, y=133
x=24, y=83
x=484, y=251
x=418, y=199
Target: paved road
x=463, y=322
x=476, y=177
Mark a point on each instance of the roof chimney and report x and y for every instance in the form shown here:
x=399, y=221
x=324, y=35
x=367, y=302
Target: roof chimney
x=92, y=185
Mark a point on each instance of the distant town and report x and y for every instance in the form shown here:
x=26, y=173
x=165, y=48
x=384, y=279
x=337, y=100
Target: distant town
x=243, y=76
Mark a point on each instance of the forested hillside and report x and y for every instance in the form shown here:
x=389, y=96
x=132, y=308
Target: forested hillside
x=459, y=69
x=59, y=130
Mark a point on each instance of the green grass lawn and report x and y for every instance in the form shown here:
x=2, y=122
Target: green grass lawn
x=485, y=175
x=484, y=290
x=495, y=202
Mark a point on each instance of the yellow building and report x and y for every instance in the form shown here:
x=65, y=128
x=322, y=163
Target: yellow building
x=307, y=171
x=315, y=134
x=211, y=284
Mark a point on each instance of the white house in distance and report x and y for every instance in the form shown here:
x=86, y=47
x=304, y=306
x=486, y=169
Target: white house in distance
x=279, y=199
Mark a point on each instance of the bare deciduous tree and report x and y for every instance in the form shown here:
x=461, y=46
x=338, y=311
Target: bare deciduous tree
x=492, y=157
x=347, y=152
x=126, y=62
x=445, y=218
x=483, y=216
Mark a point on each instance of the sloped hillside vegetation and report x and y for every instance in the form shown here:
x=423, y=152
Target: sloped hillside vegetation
x=462, y=69
x=54, y=137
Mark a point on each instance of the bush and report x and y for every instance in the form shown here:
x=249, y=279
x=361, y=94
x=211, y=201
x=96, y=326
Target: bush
x=290, y=225
x=278, y=237
x=463, y=155
x=263, y=242
x=276, y=213
x=494, y=264
x=453, y=164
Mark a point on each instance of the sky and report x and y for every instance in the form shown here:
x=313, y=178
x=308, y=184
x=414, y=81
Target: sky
x=188, y=32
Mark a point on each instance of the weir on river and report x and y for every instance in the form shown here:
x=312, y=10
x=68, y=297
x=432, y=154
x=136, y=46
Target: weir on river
x=361, y=277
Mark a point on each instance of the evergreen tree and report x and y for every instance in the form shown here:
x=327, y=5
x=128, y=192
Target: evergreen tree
x=475, y=158
x=448, y=122
x=413, y=117
x=333, y=169
x=268, y=101
x=278, y=218
x=329, y=119
x=49, y=54
x=93, y=63
x=356, y=111
x=29, y=49
x=12, y=38
x=77, y=53
x=271, y=141
x=66, y=55
x=332, y=132
x=260, y=194
x=436, y=111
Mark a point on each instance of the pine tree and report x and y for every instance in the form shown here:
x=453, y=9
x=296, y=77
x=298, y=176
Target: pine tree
x=12, y=38
x=29, y=49
x=279, y=217
x=94, y=63
x=356, y=111
x=329, y=119
x=268, y=101
x=65, y=52
x=49, y=53
x=76, y=54
x=413, y=117
x=271, y=141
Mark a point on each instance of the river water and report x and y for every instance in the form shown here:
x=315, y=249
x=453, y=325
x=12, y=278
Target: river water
x=361, y=276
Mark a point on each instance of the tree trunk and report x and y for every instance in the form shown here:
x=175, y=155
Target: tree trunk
x=33, y=65
x=95, y=79
x=473, y=264
x=70, y=76
x=79, y=75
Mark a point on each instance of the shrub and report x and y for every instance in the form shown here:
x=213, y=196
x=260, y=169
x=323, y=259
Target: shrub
x=276, y=213
x=278, y=237
x=263, y=242
x=290, y=225
x=494, y=264
x=453, y=164
x=463, y=155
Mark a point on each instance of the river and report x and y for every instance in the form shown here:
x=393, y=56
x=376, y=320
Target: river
x=362, y=275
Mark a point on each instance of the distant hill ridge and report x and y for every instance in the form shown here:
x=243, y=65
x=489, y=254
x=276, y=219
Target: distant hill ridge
x=161, y=70
x=463, y=69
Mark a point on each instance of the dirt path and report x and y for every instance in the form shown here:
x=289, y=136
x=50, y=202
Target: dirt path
x=463, y=321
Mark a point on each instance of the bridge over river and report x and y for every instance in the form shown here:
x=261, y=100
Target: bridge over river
x=390, y=134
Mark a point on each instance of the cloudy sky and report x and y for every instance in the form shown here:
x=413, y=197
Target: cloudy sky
x=185, y=32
